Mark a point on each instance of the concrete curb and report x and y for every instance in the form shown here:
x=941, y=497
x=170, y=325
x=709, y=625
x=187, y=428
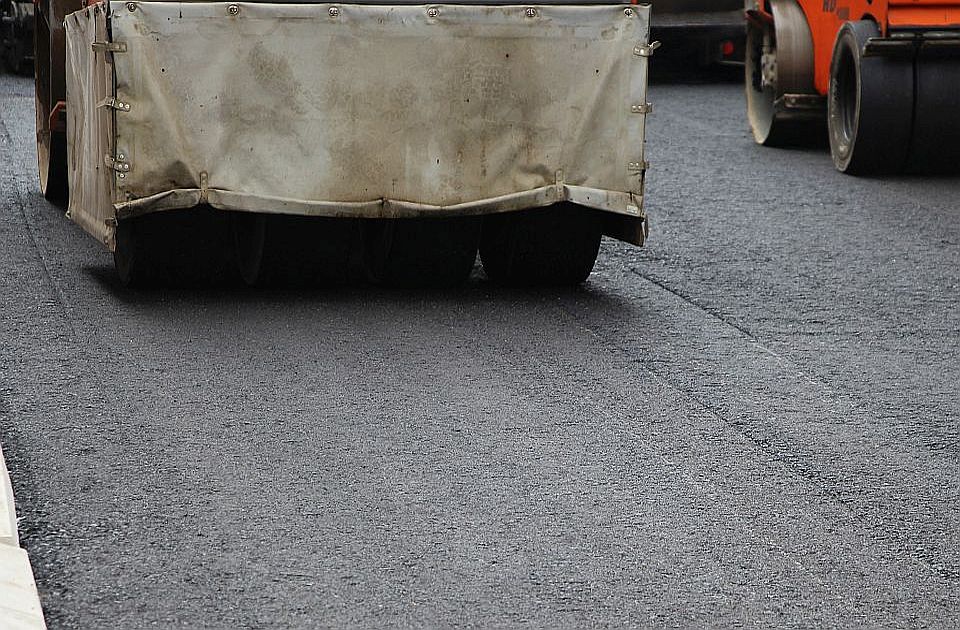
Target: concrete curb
x=19, y=600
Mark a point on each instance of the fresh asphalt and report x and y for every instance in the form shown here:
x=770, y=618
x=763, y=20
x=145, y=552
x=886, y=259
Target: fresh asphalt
x=752, y=421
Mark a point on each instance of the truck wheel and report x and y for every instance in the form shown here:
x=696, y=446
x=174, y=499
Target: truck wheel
x=288, y=250
x=869, y=105
x=51, y=142
x=132, y=258
x=249, y=239
x=778, y=74
x=175, y=248
x=548, y=246
x=420, y=252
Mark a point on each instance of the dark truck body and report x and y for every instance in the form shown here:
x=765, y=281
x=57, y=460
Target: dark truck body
x=705, y=31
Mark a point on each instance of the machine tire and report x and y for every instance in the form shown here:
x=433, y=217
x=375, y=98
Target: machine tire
x=935, y=145
x=793, y=44
x=412, y=253
x=869, y=105
x=249, y=235
x=547, y=246
x=278, y=250
x=133, y=256
x=175, y=248
x=51, y=145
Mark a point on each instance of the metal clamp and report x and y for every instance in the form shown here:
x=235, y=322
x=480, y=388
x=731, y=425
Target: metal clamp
x=638, y=166
x=641, y=108
x=645, y=50
x=111, y=47
x=113, y=102
x=116, y=163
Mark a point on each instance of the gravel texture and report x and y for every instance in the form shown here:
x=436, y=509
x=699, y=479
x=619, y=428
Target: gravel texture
x=753, y=421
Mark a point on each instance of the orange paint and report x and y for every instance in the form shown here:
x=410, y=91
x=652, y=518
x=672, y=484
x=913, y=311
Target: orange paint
x=825, y=18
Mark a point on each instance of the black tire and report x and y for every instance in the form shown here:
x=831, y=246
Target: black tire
x=248, y=230
x=421, y=252
x=294, y=251
x=869, y=105
x=935, y=145
x=51, y=144
x=135, y=256
x=178, y=248
x=546, y=246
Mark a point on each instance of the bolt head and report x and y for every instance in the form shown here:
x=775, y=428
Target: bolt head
x=530, y=12
x=628, y=12
x=233, y=9
x=334, y=11
x=433, y=12
x=131, y=6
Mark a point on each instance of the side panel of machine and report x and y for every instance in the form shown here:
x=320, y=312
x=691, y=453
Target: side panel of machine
x=90, y=152
x=380, y=110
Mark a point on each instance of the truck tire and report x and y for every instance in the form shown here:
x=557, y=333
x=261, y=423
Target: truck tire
x=134, y=256
x=175, y=248
x=249, y=232
x=49, y=62
x=411, y=253
x=869, y=105
x=547, y=246
x=286, y=250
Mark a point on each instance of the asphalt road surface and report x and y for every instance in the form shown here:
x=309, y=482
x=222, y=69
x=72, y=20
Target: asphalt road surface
x=753, y=421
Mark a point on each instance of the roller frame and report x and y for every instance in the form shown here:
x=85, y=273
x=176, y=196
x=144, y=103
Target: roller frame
x=925, y=33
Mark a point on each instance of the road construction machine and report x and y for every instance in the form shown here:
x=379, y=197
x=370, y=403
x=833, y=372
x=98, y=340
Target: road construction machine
x=880, y=77
x=394, y=138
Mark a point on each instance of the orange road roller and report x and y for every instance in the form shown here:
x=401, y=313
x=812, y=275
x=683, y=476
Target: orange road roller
x=883, y=74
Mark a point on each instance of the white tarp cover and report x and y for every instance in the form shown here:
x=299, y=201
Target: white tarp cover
x=89, y=77
x=373, y=110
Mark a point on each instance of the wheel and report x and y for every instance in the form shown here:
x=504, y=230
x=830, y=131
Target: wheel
x=175, y=248
x=133, y=257
x=48, y=62
x=546, y=246
x=869, y=105
x=286, y=250
x=778, y=63
x=935, y=145
x=249, y=231
x=421, y=252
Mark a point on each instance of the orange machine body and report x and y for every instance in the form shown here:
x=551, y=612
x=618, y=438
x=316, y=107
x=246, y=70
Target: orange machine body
x=825, y=18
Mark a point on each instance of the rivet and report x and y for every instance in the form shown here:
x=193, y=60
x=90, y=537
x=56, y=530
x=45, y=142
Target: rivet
x=131, y=6
x=120, y=157
x=628, y=12
x=334, y=11
x=126, y=107
x=126, y=167
x=433, y=12
x=121, y=176
x=530, y=12
x=233, y=9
